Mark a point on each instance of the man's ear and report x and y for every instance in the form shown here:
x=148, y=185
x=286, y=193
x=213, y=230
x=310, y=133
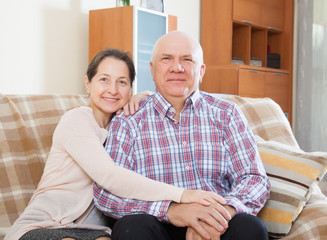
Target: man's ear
x=151, y=69
x=202, y=72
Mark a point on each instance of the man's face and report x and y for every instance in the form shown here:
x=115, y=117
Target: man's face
x=177, y=67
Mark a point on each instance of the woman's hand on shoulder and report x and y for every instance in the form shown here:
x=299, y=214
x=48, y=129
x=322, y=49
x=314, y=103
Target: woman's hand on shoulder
x=134, y=102
x=203, y=197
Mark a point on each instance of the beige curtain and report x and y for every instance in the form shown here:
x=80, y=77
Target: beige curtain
x=311, y=75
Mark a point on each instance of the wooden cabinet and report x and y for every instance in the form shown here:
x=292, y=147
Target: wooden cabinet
x=278, y=88
x=216, y=31
x=248, y=11
x=259, y=84
x=252, y=83
x=266, y=13
x=132, y=29
x=223, y=78
x=241, y=42
x=272, y=14
x=238, y=38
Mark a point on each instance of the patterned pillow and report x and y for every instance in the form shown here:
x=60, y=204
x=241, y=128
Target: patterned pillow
x=292, y=173
x=312, y=222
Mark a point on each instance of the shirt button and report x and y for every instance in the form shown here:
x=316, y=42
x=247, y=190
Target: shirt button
x=187, y=167
x=184, y=143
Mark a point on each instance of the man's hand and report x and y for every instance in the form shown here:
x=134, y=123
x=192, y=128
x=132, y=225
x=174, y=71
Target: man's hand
x=231, y=210
x=192, y=234
x=190, y=215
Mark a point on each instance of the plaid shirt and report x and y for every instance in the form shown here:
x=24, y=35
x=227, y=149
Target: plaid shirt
x=210, y=148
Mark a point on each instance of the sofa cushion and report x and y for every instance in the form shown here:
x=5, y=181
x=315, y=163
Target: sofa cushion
x=312, y=222
x=27, y=123
x=266, y=119
x=292, y=173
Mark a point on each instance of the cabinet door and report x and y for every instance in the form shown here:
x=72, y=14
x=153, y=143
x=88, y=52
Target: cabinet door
x=150, y=27
x=251, y=83
x=220, y=80
x=247, y=11
x=272, y=14
x=110, y=27
x=216, y=19
x=277, y=88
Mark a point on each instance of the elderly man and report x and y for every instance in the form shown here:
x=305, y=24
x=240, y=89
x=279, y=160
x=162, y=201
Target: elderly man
x=187, y=138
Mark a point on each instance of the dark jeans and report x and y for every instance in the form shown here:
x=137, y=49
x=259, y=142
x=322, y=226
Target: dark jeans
x=146, y=227
x=60, y=233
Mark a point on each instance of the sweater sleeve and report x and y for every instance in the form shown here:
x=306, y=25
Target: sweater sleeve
x=80, y=136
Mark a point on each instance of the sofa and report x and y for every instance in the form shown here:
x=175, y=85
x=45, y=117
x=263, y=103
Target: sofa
x=297, y=208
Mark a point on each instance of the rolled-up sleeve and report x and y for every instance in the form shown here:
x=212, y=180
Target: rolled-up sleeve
x=249, y=183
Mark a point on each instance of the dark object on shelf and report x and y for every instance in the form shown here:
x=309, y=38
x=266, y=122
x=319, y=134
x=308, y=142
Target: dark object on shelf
x=273, y=60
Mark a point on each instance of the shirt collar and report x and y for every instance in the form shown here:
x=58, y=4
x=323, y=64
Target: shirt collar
x=164, y=108
x=195, y=98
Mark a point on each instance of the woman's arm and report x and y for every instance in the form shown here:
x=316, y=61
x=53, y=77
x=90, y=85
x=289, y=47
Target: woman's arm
x=82, y=139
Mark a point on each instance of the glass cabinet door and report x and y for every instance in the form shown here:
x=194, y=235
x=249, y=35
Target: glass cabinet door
x=149, y=27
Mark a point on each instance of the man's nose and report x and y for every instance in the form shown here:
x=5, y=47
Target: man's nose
x=177, y=67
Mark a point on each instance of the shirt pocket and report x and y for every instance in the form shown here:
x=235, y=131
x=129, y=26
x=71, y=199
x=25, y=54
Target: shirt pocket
x=211, y=160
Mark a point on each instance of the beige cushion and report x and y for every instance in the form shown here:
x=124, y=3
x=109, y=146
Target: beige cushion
x=292, y=173
x=312, y=222
x=26, y=127
x=266, y=119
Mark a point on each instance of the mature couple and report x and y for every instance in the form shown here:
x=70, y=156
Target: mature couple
x=179, y=139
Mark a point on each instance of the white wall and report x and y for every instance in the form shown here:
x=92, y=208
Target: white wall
x=44, y=43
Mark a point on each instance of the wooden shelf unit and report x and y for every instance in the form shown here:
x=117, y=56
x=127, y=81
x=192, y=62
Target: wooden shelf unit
x=248, y=29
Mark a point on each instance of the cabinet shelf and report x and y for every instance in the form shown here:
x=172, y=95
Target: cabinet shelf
x=259, y=44
x=241, y=42
x=265, y=69
x=250, y=41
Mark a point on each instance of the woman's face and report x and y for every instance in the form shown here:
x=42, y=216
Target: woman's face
x=111, y=87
